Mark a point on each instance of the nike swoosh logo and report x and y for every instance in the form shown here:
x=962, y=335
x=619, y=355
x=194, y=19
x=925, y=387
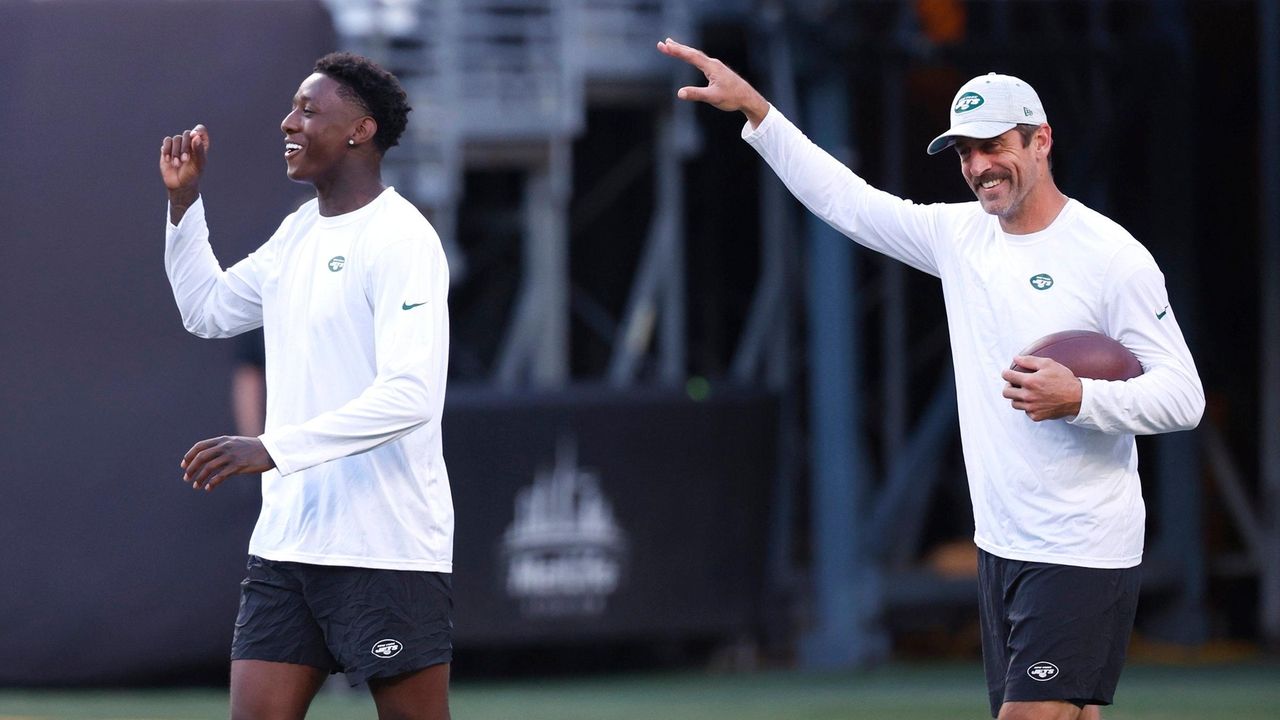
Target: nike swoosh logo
x=407, y=306
x=1160, y=315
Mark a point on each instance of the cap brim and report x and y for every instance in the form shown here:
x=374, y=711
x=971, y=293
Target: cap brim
x=980, y=130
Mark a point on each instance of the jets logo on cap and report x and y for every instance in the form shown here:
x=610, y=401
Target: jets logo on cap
x=967, y=102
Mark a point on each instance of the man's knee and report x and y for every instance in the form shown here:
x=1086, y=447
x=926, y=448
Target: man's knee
x=272, y=691
x=419, y=695
x=1049, y=710
x=263, y=706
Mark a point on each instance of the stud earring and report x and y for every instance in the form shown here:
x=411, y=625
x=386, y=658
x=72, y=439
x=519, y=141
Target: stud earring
x=351, y=143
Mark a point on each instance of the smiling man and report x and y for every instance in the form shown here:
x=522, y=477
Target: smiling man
x=350, y=561
x=1051, y=459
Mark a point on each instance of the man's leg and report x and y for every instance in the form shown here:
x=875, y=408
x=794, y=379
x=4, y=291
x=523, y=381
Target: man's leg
x=1053, y=637
x=262, y=690
x=1048, y=710
x=278, y=655
x=391, y=629
x=1069, y=629
x=1052, y=710
x=419, y=695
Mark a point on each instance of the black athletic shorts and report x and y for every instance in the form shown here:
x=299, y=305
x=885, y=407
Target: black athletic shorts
x=1054, y=632
x=364, y=622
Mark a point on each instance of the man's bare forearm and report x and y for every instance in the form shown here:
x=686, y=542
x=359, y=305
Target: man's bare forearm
x=180, y=201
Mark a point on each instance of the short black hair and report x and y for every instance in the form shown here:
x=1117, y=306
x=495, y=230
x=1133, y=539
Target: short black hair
x=363, y=81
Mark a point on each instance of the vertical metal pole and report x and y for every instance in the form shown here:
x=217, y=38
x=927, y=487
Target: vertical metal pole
x=550, y=231
x=1269, y=226
x=778, y=253
x=537, y=341
x=893, y=344
x=766, y=335
x=846, y=589
x=657, y=291
x=1180, y=545
x=1000, y=21
x=670, y=194
x=780, y=249
x=1096, y=185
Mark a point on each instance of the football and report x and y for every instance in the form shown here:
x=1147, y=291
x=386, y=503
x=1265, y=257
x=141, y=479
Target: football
x=1087, y=354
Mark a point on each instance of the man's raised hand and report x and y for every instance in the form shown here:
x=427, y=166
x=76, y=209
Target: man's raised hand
x=182, y=159
x=725, y=90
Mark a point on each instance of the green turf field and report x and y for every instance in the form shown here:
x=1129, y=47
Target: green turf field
x=899, y=692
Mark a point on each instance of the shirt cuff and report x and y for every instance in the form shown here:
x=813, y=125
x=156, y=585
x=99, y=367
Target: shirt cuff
x=1084, y=418
x=750, y=134
x=273, y=449
x=197, y=208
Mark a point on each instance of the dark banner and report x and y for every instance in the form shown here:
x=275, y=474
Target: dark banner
x=582, y=517
x=608, y=516
x=109, y=568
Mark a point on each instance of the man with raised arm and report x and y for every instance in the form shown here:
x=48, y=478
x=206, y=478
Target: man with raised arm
x=1051, y=459
x=350, y=562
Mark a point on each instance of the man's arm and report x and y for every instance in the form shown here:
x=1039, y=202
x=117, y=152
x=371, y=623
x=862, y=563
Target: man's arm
x=411, y=338
x=875, y=219
x=213, y=303
x=1168, y=396
x=195, y=274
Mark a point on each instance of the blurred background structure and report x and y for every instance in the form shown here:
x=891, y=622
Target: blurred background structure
x=686, y=421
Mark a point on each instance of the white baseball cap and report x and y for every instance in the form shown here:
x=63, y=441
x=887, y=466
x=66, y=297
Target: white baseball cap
x=987, y=106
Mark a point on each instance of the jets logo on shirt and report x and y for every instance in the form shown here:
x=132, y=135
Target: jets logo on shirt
x=1043, y=281
x=336, y=262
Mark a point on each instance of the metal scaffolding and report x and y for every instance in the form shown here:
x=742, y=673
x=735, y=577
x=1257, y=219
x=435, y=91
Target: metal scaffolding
x=1269, y=166
x=507, y=83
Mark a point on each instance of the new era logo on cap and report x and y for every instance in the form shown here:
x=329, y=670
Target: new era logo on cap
x=987, y=106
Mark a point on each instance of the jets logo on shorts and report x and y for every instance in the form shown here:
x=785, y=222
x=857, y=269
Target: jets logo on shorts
x=336, y=262
x=387, y=648
x=1043, y=671
x=1042, y=281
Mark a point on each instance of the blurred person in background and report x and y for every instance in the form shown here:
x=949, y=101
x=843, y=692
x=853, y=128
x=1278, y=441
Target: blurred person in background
x=1051, y=458
x=351, y=558
x=249, y=384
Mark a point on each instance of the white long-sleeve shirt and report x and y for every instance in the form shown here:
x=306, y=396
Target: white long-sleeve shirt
x=1066, y=491
x=356, y=325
